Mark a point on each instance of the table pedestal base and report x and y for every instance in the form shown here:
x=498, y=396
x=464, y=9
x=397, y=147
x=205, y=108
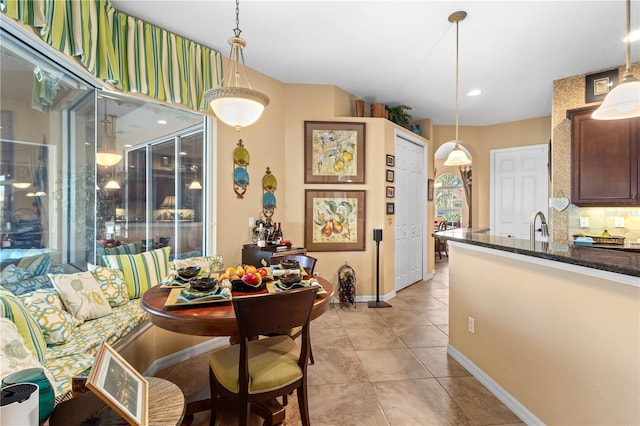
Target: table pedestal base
x=271, y=411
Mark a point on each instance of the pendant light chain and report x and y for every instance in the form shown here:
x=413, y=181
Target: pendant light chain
x=237, y=29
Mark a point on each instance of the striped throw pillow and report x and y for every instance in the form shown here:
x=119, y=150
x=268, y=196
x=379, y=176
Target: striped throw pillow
x=37, y=265
x=14, y=309
x=141, y=271
x=131, y=248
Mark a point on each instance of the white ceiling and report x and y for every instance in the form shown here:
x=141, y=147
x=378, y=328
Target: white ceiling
x=403, y=52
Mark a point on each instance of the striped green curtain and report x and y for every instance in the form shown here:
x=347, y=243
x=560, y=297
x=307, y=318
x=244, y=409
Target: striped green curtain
x=132, y=55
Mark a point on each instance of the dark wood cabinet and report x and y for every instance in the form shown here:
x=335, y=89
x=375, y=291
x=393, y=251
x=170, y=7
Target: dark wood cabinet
x=605, y=159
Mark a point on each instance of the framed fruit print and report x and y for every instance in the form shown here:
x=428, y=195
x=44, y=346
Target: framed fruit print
x=334, y=220
x=334, y=152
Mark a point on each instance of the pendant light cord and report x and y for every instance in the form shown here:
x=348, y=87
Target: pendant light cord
x=457, y=74
x=627, y=41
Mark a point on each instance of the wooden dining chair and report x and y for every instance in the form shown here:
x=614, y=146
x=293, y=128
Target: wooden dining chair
x=307, y=262
x=258, y=370
x=441, y=245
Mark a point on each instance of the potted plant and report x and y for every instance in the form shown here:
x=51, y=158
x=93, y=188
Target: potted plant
x=399, y=115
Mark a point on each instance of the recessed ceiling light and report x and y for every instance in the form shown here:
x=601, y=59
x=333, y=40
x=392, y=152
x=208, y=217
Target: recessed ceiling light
x=632, y=37
x=183, y=153
x=474, y=92
x=128, y=145
x=162, y=121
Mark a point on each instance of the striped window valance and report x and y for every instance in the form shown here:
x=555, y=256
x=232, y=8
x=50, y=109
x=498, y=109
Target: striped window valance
x=132, y=55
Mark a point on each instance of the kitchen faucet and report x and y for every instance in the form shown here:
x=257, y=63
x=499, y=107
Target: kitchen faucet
x=532, y=227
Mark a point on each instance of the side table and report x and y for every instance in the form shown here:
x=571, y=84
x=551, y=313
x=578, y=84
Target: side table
x=166, y=406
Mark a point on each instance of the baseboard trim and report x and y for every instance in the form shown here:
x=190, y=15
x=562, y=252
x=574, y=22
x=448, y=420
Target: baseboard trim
x=498, y=391
x=385, y=297
x=185, y=354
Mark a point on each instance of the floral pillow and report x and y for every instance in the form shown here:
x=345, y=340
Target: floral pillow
x=111, y=283
x=14, y=355
x=81, y=295
x=46, y=308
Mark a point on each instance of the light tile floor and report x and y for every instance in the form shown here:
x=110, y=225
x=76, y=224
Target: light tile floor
x=386, y=366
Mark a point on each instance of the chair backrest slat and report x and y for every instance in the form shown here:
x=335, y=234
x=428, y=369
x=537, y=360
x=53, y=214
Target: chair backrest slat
x=274, y=312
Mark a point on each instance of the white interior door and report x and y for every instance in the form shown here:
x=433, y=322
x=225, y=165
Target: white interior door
x=410, y=211
x=519, y=188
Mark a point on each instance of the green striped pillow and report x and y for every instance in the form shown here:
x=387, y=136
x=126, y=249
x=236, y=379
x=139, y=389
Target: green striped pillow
x=141, y=271
x=131, y=248
x=13, y=309
x=37, y=265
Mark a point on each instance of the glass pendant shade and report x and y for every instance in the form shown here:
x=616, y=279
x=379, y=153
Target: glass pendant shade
x=21, y=185
x=236, y=103
x=195, y=185
x=624, y=100
x=457, y=157
x=236, y=106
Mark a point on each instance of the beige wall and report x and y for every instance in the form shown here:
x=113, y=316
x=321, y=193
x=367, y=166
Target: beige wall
x=479, y=140
x=566, y=345
x=277, y=141
x=569, y=93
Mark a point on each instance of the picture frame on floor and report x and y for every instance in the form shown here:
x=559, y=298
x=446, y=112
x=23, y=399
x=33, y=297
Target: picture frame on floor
x=120, y=386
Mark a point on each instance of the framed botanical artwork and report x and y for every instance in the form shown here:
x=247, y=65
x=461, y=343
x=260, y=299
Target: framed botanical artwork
x=391, y=160
x=599, y=84
x=390, y=175
x=120, y=386
x=391, y=208
x=391, y=191
x=334, y=152
x=334, y=220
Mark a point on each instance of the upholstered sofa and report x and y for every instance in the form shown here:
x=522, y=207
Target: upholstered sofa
x=58, y=320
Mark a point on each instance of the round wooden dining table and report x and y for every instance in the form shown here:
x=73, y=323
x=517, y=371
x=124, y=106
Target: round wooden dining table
x=216, y=319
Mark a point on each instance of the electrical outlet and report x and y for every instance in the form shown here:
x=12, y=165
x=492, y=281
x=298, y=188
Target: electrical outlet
x=619, y=222
x=472, y=325
x=252, y=222
x=584, y=222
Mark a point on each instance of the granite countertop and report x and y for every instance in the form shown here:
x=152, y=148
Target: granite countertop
x=625, y=262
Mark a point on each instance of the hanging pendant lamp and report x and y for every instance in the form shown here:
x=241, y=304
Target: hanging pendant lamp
x=624, y=100
x=457, y=157
x=236, y=103
x=107, y=154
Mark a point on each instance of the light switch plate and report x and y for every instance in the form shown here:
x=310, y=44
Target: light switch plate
x=619, y=222
x=584, y=222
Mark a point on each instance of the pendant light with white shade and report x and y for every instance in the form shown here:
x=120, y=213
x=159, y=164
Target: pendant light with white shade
x=624, y=100
x=107, y=154
x=237, y=103
x=457, y=157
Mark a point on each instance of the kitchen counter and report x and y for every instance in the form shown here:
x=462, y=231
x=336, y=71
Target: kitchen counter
x=625, y=262
x=551, y=330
